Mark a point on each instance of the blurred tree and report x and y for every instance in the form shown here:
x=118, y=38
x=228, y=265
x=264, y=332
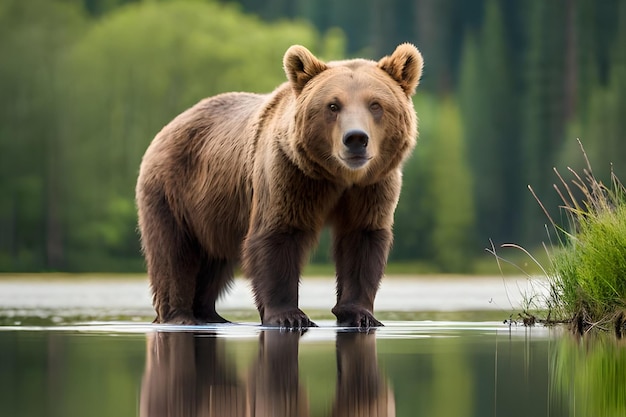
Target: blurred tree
x=452, y=236
x=374, y=28
x=599, y=44
x=100, y=7
x=490, y=118
x=434, y=220
x=414, y=216
x=573, y=91
x=33, y=34
x=544, y=106
x=605, y=121
x=85, y=84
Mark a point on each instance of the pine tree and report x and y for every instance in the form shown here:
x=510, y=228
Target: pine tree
x=452, y=235
x=604, y=129
x=544, y=107
x=489, y=112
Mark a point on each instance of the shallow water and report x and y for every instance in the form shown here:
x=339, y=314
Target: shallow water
x=57, y=299
x=53, y=363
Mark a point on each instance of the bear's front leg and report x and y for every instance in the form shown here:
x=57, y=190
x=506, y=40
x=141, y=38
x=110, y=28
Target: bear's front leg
x=273, y=260
x=362, y=238
x=360, y=258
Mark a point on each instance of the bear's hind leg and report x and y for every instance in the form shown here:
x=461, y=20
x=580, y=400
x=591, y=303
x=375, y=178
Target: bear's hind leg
x=212, y=280
x=172, y=259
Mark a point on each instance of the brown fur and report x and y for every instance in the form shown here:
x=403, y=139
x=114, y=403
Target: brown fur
x=254, y=178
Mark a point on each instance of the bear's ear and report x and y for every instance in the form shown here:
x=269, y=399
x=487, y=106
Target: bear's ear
x=404, y=66
x=300, y=66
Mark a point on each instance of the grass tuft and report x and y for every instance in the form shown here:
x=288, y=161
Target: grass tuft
x=587, y=265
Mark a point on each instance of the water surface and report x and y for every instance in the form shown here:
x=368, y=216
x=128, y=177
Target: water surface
x=99, y=355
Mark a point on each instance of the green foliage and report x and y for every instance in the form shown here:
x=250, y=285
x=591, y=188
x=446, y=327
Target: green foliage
x=86, y=84
x=436, y=208
x=606, y=107
x=414, y=214
x=451, y=182
x=586, y=266
x=588, y=270
x=490, y=120
x=33, y=35
x=593, y=268
x=544, y=101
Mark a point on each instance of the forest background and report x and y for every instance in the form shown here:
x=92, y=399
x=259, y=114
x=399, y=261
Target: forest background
x=508, y=86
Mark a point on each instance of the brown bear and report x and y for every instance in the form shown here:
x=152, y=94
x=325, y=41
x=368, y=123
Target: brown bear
x=253, y=178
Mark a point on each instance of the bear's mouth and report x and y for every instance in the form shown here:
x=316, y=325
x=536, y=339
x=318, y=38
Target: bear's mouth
x=355, y=161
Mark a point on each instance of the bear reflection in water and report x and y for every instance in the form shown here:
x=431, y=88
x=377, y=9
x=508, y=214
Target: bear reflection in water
x=192, y=375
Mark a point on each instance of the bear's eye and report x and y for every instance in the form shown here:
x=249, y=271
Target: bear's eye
x=375, y=107
x=333, y=107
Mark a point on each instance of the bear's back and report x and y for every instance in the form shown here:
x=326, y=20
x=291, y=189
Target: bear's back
x=202, y=161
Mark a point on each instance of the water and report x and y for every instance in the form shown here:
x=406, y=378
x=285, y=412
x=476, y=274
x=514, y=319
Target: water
x=100, y=356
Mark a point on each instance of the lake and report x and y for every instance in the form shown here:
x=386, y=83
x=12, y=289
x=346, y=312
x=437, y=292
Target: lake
x=85, y=347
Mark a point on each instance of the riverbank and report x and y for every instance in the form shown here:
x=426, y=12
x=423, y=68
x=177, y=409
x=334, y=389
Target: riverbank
x=108, y=296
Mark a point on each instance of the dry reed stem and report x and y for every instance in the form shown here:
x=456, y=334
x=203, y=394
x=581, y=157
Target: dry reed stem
x=541, y=205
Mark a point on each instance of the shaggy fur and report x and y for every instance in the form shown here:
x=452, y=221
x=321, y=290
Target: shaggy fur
x=253, y=178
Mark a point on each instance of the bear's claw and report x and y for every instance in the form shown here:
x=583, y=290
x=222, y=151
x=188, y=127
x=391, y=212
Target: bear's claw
x=357, y=317
x=289, y=320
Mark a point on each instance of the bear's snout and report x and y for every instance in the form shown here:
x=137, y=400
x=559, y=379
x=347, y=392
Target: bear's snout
x=356, y=141
x=355, y=153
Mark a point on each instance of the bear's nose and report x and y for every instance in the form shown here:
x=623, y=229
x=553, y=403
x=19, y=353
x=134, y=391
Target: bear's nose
x=355, y=140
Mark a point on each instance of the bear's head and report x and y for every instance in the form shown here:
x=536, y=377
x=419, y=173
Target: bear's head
x=354, y=120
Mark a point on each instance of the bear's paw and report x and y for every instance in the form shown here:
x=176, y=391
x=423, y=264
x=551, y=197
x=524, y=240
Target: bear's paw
x=293, y=319
x=355, y=316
